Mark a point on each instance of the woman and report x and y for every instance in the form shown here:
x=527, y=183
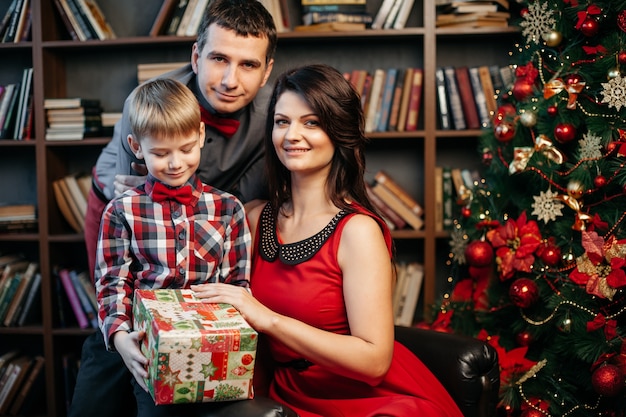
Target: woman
x=322, y=272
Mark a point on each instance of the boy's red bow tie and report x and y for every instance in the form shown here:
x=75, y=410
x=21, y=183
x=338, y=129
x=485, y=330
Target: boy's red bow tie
x=161, y=192
x=226, y=127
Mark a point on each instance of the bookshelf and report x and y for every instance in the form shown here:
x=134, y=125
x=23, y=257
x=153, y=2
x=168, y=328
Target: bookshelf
x=107, y=70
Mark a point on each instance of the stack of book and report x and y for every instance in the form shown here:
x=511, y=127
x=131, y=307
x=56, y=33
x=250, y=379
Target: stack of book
x=391, y=98
x=16, y=108
x=474, y=14
x=71, y=193
x=18, y=374
x=18, y=217
x=152, y=70
x=72, y=118
x=406, y=292
x=16, y=22
x=19, y=286
x=84, y=20
x=334, y=15
x=398, y=208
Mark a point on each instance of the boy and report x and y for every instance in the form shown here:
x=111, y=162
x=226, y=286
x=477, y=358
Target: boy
x=170, y=232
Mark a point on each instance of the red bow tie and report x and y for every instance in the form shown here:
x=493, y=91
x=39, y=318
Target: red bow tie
x=226, y=127
x=161, y=192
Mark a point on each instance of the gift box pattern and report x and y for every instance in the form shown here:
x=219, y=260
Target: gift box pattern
x=198, y=352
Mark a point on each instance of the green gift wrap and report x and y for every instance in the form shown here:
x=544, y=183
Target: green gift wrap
x=198, y=352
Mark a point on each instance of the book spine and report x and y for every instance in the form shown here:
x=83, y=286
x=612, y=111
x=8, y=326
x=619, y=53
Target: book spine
x=456, y=109
x=34, y=372
x=479, y=97
x=184, y=20
x=415, y=100
x=85, y=28
x=386, y=211
x=165, y=13
x=395, y=103
x=387, y=100
x=374, y=99
x=438, y=199
x=391, y=17
x=328, y=17
x=442, y=100
x=468, y=102
x=382, y=13
x=403, y=14
x=179, y=11
x=317, y=2
x=490, y=93
x=7, y=17
x=84, y=300
x=383, y=178
x=406, y=96
x=72, y=296
x=29, y=303
x=448, y=198
x=9, y=34
x=396, y=205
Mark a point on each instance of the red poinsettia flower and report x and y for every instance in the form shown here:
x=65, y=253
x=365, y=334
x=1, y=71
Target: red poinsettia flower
x=601, y=269
x=515, y=243
x=513, y=363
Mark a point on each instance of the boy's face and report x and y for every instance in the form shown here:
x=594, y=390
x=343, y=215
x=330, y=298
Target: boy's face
x=171, y=160
x=231, y=69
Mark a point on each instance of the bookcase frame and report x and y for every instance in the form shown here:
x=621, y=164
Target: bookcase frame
x=106, y=70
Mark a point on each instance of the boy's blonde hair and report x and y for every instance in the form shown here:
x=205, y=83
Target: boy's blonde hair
x=163, y=108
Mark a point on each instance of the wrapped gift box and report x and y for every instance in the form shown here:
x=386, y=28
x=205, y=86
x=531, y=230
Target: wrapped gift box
x=198, y=352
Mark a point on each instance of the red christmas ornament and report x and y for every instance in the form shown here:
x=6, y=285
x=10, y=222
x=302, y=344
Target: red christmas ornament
x=522, y=89
x=523, y=292
x=590, y=27
x=611, y=146
x=487, y=158
x=608, y=380
x=564, y=132
x=466, y=212
x=552, y=111
x=621, y=20
x=599, y=181
x=524, y=338
x=621, y=56
x=531, y=412
x=550, y=255
x=479, y=253
x=504, y=132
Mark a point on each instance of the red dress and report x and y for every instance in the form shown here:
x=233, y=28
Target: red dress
x=303, y=280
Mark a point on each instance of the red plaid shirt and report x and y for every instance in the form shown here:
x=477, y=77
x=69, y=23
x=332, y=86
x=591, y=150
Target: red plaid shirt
x=145, y=244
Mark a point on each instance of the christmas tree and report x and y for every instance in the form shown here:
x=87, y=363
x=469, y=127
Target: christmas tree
x=538, y=252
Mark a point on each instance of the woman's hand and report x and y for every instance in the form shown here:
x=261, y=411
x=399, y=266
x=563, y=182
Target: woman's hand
x=255, y=313
x=127, y=345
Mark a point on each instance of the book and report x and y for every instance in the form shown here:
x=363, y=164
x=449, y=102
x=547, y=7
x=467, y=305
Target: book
x=9, y=281
x=4, y=22
x=6, y=358
x=399, y=291
x=448, y=198
x=6, y=130
x=196, y=17
x=472, y=22
x=415, y=100
x=163, y=17
x=381, y=14
x=85, y=302
x=22, y=22
x=445, y=121
x=64, y=206
x=357, y=79
x=18, y=299
x=23, y=103
x=403, y=14
x=18, y=212
x=468, y=103
x=479, y=97
x=389, y=87
x=488, y=89
x=397, y=205
x=85, y=281
x=454, y=98
x=72, y=296
x=394, y=113
x=63, y=11
x=186, y=17
x=367, y=85
x=177, y=15
x=331, y=27
x=98, y=20
x=31, y=377
x=76, y=193
x=147, y=71
x=397, y=222
x=406, y=96
x=11, y=29
x=5, y=101
x=84, y=183
x=375, y=95
x=438, y=198
x=392, y=185
x=81, y=20
x=317, y=2
x=70, y=102
x=391, y=16
x=16, y=374
x=414, y=276
x=313, y=18
x=31, y=310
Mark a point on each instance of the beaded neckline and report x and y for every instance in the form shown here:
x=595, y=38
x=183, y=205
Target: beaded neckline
x=291, y=253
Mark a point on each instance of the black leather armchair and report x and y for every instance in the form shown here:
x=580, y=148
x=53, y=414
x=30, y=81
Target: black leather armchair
x=467, y=368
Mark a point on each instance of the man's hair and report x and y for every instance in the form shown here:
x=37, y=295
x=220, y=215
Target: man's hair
x=244, y=17
x=163, y=108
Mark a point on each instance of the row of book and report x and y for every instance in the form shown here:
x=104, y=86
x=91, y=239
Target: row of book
x=409, y=278
x=453, y=189
x=72, y=118
x=398, y=208
x=473, y=13
x=84, y=20
x=391, y=98
x=16, y=22
x=20, y=286
x=392, y=14
x=71, y=193
x=76, y=297
x=466, y=96
x=16, y=108
x=18, y=218
x=19, y=373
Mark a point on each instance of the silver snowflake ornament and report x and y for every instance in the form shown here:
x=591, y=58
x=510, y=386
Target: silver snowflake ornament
x=590, y=146
x=615, y=92
x=458, y=243
x=537, y=22
x=546, y=207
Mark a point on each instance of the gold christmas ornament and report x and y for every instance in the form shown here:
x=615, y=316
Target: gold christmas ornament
x=528, y=118
x=553, y=38
x=613, y=73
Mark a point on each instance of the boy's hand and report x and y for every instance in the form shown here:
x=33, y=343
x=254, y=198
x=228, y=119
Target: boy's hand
x=126, y=182
x=127, y=345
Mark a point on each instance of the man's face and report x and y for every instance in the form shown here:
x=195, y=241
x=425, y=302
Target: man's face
x=231, y=69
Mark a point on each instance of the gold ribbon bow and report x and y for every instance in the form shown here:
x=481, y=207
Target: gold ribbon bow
x=543, y=145
x=581, y=218
x=555, y=86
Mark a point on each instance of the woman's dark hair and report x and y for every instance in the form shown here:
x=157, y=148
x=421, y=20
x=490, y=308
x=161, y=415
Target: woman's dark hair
x=338, y=107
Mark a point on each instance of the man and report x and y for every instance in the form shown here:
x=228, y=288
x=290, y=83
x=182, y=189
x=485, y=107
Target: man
x=231, y=61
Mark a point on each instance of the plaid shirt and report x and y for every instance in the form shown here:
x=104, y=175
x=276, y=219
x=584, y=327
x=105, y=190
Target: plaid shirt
x=145, y=244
